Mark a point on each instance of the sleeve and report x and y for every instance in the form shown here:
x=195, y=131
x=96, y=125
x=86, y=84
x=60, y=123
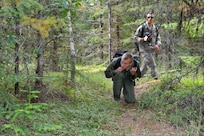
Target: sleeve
x=158, y=40
x=138, y=34
x=138, y=72
x=109, y=72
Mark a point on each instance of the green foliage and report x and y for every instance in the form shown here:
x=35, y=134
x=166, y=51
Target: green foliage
x=194, y=27
x=32, y=94
x=95, y=40
x=7, y=101
x=46, y=127
x=91, y=90
x=89, y=78
x=23, y=116
x=26, y=5
x=83, y=118
x=180, y=103
x=170, y=26
x=191, y=60
x=90, y=111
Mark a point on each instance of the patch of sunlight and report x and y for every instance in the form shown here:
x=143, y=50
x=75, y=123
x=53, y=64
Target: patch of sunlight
x=91, y=68
x=192, y=81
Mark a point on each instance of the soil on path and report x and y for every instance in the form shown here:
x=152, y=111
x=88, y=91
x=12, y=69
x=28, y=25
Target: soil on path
x=144, y=123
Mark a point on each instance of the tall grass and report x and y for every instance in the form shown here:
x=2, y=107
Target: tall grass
x=180, y=103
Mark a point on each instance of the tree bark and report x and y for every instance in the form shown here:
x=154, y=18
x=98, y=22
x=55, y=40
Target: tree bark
x=18, y=32
x=17, y=88
x=73, y=53
x=40, y=61
x=110, y=30
x=54, y=56
x=117, y=35
x=40, y=65
x=137, y=13
x=101, y=32
x=180, y=22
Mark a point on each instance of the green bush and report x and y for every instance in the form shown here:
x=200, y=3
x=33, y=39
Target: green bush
x=179, y=104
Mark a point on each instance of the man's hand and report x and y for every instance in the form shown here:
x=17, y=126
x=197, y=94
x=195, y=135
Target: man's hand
x=133, y=71
x=145, y=38
x=119, y=69
x=156, y=47
x=149, y=39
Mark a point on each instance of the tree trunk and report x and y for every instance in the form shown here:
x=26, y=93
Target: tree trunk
x=117, y=35
x=40, y=65
x=73, y=53
x=137, y=13
x=54, y=56
x=40, y=61
x=101, y=32
x=17, y=89
x=180, y=22
x=169, y=55
x=18, y=32
x=110, y=30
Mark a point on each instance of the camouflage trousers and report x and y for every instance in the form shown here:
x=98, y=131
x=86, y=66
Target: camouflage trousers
x=148, y=63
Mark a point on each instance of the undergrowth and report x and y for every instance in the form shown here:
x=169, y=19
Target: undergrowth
x=90, y=110
x=180, y=102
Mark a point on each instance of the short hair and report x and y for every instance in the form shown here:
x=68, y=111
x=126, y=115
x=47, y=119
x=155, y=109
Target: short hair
x=149, y=12
x=127, y=55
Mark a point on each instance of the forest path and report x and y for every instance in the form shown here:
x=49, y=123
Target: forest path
x=144, y=123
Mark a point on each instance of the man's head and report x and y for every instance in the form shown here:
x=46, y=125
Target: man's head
x=150, y=18
x=126, y=61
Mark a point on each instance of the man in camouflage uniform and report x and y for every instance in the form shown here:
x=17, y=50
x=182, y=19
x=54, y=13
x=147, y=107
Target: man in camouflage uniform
x=149, y=41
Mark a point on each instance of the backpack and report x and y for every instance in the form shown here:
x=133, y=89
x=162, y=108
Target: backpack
x=119, y=55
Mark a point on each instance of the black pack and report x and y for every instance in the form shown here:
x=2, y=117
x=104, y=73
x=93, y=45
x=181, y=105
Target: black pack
x=119, y=55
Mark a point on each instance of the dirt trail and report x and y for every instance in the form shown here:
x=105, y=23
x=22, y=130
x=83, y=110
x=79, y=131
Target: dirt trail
x=144, y=123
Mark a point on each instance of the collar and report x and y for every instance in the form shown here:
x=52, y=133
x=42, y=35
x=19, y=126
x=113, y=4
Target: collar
x=149, y=25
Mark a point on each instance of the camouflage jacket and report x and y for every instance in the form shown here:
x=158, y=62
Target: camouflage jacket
x=141, y=31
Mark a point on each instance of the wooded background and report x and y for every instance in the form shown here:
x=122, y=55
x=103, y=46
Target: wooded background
x=41, y=37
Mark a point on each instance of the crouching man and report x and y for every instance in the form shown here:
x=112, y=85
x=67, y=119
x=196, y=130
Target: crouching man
x=123, y=70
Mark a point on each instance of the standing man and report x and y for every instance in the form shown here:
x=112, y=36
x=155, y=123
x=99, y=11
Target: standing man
x=123, y=71
x=149, y=41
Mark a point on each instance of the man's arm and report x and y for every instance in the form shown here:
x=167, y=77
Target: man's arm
x=138, y=34
x=135, y=71
x=158, y=40
x=109, y=72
